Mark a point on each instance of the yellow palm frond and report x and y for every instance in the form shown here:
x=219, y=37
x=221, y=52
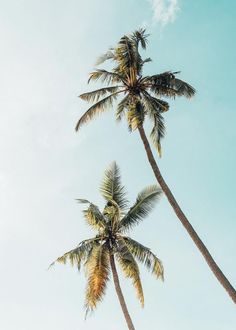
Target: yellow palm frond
x=93, y=216
x=97, y=272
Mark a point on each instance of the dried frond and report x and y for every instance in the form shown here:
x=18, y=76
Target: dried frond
x=97, y=270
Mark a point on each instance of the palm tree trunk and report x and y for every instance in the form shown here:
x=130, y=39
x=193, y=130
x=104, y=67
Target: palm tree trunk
x=120, y=294
x=192, y=233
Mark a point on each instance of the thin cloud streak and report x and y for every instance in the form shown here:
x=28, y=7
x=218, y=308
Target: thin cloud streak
x=164, y=11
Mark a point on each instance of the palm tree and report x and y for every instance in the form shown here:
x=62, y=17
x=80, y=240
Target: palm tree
x=98, y=254
x=142, y=97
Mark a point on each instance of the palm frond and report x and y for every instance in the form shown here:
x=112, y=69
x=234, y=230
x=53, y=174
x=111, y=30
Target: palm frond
x=94, y=96
x=79, y=254
x=140, y=36
x=122, y=106
x=144, y=204
x=154, y=107
x=105, y=76
x=145, y=256
x=107, y=56
x=158, y=131
x=135, y=115
x=147, y=60
x=94, y=217
x=96, y=109
x=183, y=88
x=128, y=58
x=97, y=270
x=111, y=187
x=129, y=267
x=165, y=84
x=152, y=104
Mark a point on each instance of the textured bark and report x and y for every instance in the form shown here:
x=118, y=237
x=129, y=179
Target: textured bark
x=120, y=294
x=192, y=233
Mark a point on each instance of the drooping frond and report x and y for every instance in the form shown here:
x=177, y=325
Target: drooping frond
x=97, y=270
x=183, y=88
x=152, y=104
x=94, y=96
x=144, y=204
x=94, y=217
x=105, y=76
x=158, y=131
x=96, y=109
x=129, y=267
x=145, y=256
x=154, y=107
x=165, y=84
x=135, y=115
x=122, y=106
x=111, y=187
x=79, y=254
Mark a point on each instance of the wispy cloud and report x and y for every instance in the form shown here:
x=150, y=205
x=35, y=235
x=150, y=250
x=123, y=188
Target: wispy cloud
x=164, y=11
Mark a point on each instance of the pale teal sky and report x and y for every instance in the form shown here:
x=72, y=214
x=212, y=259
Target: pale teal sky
x=47, y=51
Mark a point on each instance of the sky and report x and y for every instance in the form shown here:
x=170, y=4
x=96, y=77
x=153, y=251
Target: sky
x=48, y=49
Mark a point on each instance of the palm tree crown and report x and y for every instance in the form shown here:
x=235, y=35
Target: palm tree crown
x=142, y=94
x=111, y=226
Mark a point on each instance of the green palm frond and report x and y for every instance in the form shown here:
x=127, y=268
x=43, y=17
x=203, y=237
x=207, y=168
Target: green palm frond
x=128, y=58
x=105, y=76
x=154, y=107
x=144, y=204
x=122, y=106
x=165, y=84
x=96, y=109
x=152, y=104
x=98, y=269
x=94, y=96
x=79, y=254
x=145, y=256
x=129, y=267
x=111, y=187
x=94, y=217
x=140, y=36
x=158, y=131
x=183, y=88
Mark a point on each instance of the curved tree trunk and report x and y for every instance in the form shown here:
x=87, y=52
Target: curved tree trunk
x=120, y=294
x=192, y=233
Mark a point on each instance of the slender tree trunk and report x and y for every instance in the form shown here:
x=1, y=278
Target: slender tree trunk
x=120, y=294
x=192, y=233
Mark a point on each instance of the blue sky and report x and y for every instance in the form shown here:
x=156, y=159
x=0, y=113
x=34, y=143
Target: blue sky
x=47, y=51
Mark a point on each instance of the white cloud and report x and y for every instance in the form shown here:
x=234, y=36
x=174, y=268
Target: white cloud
x=164, y=11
